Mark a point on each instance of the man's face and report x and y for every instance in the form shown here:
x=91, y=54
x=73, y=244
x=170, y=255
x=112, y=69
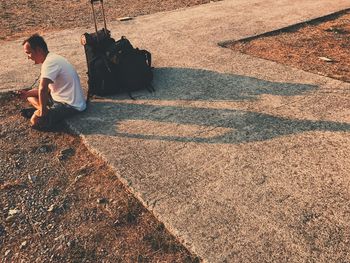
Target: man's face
x=33, y=54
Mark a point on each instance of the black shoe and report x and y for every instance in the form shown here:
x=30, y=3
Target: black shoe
x=27, y=113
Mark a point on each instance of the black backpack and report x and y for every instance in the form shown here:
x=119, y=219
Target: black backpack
x=116, y=66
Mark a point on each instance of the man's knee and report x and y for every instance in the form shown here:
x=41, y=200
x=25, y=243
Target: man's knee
x=30, y=99
x=33, y=101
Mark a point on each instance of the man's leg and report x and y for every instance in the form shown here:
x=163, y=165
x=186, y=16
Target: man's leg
x=28, y=112
x=32, y=97
x=56, y=113
x=34, y=101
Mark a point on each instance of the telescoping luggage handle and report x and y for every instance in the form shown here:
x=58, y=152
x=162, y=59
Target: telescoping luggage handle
x=103, y=14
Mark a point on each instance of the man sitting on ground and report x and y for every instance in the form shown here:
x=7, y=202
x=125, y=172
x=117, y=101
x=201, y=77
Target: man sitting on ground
x=59, y=81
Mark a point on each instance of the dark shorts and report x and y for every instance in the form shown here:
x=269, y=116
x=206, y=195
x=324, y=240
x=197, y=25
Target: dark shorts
x=57, y=113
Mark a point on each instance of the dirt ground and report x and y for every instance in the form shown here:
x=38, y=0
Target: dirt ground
x=321, y=46
x=61, y=203
x=23, y=17
x=58, y=202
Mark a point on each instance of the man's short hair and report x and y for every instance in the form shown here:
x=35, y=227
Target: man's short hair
x=36, y=41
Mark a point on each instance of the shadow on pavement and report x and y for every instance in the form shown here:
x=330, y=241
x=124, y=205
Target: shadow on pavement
x=120, y=116
x=198, y=84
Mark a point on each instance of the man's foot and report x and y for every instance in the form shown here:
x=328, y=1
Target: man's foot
x=27, y=113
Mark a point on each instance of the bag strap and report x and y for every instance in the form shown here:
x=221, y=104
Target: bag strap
x=148, y=57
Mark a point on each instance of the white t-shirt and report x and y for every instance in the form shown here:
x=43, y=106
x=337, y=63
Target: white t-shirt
x=66, y=86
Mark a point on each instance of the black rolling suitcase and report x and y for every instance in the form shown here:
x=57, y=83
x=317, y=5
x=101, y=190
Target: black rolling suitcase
x=114, y=66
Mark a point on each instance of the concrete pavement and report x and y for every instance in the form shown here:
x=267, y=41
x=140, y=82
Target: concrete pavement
x=243, y=159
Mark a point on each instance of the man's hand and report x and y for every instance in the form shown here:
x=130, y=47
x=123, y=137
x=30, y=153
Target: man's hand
x=40, y=113
x=38, y=120
x=34, y=120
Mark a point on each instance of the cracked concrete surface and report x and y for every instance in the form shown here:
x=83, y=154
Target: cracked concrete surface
x=243, y=159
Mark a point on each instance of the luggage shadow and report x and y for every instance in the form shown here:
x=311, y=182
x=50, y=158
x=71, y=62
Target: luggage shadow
x=157, y=117
x=203, y=85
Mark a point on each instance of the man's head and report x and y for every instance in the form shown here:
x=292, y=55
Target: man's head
x=36, y=48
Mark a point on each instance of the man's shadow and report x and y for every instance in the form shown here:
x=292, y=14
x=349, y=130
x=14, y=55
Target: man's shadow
x=147, y=119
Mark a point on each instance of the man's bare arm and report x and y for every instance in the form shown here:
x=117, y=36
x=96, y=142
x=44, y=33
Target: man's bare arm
x=44, y=95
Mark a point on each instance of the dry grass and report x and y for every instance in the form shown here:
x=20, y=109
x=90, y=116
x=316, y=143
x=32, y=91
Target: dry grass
x=303, y=46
